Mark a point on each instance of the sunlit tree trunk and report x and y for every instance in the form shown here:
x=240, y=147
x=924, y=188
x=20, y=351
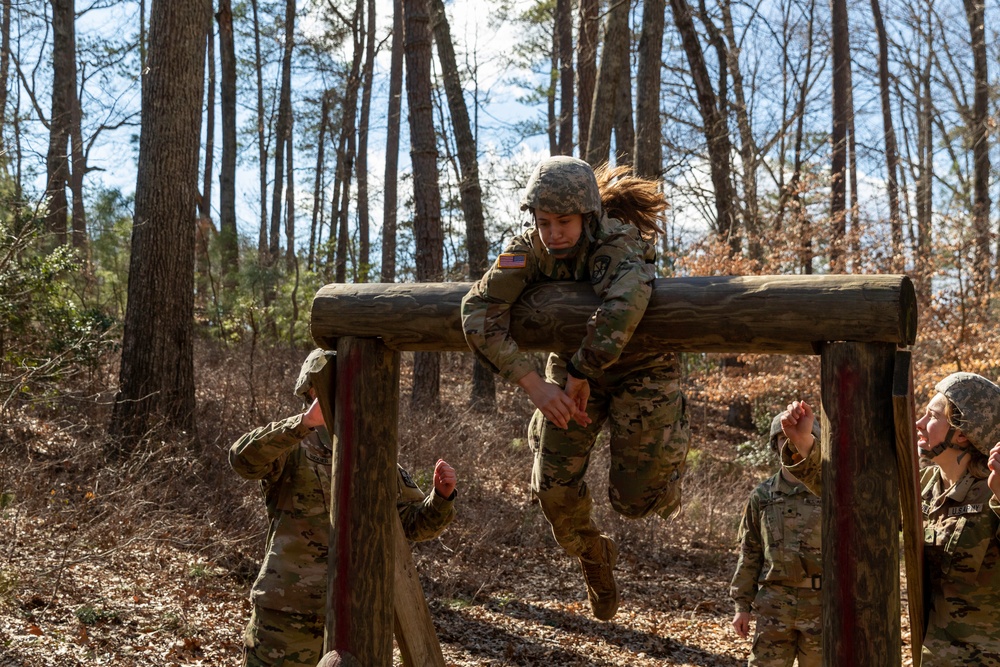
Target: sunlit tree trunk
x=228, y=235
x=60, y=119
x=714, y=126
x=841, y=54
x=564, y=41
x=392, y=146
x=324, y=119
x=426, y=192
x=483, y=388
x=586, y=66
x=614, y=63
x=349, y=144
x=648, y=129
x=889, y=135
x=282, y=134
x=156, y=378
x=975, y=12
x=364, y=240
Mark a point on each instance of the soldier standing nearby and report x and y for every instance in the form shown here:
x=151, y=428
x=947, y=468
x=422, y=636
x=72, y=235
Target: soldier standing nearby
x=597, y=228
x=779, y=572
x=292, y=460
x=958, y=440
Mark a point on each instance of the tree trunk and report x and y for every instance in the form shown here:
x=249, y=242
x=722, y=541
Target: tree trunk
x=79, y=162
x=648, y=130
x=202, y=260
x=624, y=124
x=426, y=193
x=4, y=65
x=262, y=244
x=552, y=126
x=324, y=119
x=889, y=134
x=715, y=128
x=483, y=387
x=228, y=234
x=748, y=146
x=290, y=203
x=348, y=143
x=364, y=239
x=841, y=54
x=157, y=364
x=586, y=59
x=282, y=133
x=564, y=40
x=61, y=118
x=925, y=180
x=975, y=11
x=392, y=146
x=614, y=61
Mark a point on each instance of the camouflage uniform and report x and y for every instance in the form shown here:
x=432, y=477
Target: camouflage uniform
x=293, y=465
x=778, y=573
x=961, y=533
x=637, y=391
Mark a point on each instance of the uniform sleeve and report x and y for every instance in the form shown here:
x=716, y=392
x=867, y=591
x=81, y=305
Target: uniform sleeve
x=808, y=470
x=486, y=311
x=623, y=279
x=423, y=517
x=743, y=588
x=261, y=453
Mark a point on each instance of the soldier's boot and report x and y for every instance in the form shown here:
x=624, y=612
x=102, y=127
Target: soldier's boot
x=598, y=565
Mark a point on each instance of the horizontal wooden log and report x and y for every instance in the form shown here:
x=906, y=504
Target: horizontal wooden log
x=732, y=314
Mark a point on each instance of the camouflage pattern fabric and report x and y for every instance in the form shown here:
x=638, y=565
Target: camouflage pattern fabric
x=961, y=565
x=962, y=561
x=780, y=543
x=619, y=265
x=283, y=638
x=293, y=466
x=563, y=185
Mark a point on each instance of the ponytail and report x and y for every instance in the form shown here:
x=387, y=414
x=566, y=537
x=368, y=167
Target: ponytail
x=632, y=199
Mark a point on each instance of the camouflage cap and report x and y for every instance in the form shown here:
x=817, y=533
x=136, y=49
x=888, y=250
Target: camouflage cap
x=314, y=363
x=562, y=184
x=776, y=430
x=978, y=400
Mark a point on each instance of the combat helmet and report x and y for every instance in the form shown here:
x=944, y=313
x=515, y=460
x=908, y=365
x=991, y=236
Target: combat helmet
x=978, y=400
x=314, y=363
x=563, y=185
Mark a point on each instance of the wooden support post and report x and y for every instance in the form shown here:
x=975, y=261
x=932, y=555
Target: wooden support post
x=363, y=505
x=904, y=416
x=415, y=635
x=860, y=508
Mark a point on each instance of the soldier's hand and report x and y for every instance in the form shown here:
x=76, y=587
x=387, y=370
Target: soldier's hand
x=549, y=398
x=741, y=623
x=445, y=479
x=994, y=464
x=797, y=423
x=578, y=390
x=313, y=416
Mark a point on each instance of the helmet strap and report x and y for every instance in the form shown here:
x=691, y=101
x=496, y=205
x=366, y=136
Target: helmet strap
x=936, y=451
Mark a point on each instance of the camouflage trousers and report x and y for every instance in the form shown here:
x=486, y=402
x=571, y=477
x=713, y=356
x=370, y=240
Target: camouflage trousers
x=943, y=650
x=649, y=444
x=788, y=627
x=277, y=638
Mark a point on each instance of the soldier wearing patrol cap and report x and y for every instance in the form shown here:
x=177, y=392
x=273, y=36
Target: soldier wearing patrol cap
x=779, y=573
x=958, y=438
x=292, y=459
x=599, y=228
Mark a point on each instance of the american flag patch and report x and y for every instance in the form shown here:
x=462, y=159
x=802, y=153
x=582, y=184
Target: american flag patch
x=509, y=260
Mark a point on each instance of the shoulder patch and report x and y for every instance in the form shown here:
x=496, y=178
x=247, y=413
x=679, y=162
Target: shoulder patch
x=512, y=260
x=407, y=480
x=601, y=264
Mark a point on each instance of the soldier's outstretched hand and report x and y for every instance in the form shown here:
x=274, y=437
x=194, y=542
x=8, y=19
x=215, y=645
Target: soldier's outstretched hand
x=445, y=479
x=549, y=398
x=741, y=623
x=797, y=423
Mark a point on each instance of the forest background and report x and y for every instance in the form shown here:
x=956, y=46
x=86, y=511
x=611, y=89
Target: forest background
x=180, y=177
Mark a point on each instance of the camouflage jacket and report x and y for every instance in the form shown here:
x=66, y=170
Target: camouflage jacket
x=617, y=262
x=780, y=537
x=961, y=564
x=293, y=467
x=962, y=561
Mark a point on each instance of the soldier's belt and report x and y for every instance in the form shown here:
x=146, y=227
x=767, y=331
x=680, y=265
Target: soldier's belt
x=814, y=582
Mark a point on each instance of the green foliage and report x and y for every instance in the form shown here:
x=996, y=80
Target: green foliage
x=88, y=615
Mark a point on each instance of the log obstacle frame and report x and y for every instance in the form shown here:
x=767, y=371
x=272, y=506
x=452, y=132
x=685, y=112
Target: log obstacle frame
x=860, y=326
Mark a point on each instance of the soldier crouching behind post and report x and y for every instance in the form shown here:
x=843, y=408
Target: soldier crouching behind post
x=292, y=460
x=778, y=575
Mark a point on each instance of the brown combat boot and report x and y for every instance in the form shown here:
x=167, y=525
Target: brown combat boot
x=598, y=571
